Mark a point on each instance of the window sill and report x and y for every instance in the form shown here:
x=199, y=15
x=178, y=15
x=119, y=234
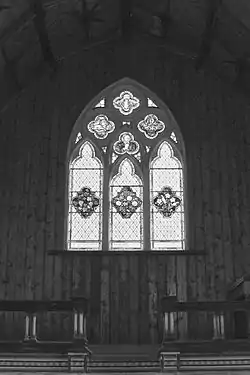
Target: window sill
x=126, y=252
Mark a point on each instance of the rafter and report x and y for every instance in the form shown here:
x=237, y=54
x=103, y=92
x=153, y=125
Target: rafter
x=10, y=68
x=165, y=18
x=39, y=23
x=87, y=16
x=209, y=32
x=125, y=16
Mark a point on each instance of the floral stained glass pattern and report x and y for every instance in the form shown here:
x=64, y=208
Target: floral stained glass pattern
x=126, y=103
x=166, y=202
x=126, y=202
x=85, y=202
x=126, y=215
x=126, y=144
x=101, y=126
x=151, y=126
x=125, y=172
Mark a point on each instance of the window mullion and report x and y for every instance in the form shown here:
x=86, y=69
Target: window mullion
x=105, y=214
x=146, y=209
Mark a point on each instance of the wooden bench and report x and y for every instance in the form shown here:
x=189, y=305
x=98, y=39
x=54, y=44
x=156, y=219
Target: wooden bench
x=33, y=353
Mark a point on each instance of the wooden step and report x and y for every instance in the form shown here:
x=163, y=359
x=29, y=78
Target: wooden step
x=133, y=351
x=124, y=358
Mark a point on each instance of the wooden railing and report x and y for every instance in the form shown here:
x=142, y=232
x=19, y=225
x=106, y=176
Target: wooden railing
x=220, y=316
x=77, y=306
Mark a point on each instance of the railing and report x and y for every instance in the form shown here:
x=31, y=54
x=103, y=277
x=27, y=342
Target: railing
x=220, y=316
x=77, y=306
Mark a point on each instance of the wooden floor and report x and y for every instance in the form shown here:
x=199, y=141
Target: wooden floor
x=234, y=372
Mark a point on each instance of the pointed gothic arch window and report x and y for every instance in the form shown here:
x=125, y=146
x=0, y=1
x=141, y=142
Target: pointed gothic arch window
x=85, y=200
x=125, y=177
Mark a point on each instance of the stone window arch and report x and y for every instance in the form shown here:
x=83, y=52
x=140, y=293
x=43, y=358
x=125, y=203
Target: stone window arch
x=126, y=174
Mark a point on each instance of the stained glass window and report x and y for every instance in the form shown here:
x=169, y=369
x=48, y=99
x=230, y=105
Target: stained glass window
x=151, y=103
x=126, y=188
x=126, y=214
x=78, y=137
x=166, y=200
x=85, y=200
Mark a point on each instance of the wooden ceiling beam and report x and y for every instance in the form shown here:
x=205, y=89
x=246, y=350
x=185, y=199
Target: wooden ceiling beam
x=40, y=26
x=125, y=15
x=209, y=32
x=10, y=69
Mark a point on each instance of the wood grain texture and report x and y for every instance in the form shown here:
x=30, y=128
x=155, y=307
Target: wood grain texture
x=124, y=291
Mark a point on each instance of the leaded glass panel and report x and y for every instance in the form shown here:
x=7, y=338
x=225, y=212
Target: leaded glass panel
x=100, y=104
x=164, y=199
x=151, y=103
x=85, y=201
x=173, y=137
x=167, y=210
x=78, y=137
x=126, y=103
x=126, y=144
x=126, y=188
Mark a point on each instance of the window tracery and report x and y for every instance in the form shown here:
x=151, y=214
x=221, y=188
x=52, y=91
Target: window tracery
x=126, y=162
x=126, y=216
x=85, y=200
x=151, y=126
x=126, y=103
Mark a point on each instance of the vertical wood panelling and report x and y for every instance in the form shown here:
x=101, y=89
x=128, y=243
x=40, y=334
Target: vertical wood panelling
x=244, y=211
x=114, y=301
x=152, y=299
x=14, y=223
x=225, y=167
x=94, y=296
x=181, y=276
x=105, y=301
x=208, y=217
x=123, y=299
x=66, y=277
x=124, y=290
x=216, y=207
x=144, y=337
x=133, y=298
x=245, y=182
x=235, y=211
x=162, y=291
x=40, y=200
x=50, y=206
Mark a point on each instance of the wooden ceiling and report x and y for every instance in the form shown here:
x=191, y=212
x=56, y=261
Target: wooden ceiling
x=210, y=31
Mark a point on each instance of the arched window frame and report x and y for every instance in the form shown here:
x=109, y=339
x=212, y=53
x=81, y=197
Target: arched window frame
x=109, y=168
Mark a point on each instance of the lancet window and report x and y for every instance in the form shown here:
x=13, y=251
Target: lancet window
x=126, y=189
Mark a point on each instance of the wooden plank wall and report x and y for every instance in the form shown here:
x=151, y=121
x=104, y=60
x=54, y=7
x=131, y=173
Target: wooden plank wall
x=36, y=126
x=125, y=292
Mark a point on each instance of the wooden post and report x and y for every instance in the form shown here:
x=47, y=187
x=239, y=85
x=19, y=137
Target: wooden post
x=78, y=358
x=218, y=326
x=30, y=334
x=79, y=313
x=170, y=323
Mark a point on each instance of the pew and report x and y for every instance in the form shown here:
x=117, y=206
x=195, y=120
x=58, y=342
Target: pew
x=31, y=351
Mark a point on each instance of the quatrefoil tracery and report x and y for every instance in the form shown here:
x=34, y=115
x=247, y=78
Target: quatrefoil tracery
x=151, y=126
x=126, y=103
x=101, y=126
